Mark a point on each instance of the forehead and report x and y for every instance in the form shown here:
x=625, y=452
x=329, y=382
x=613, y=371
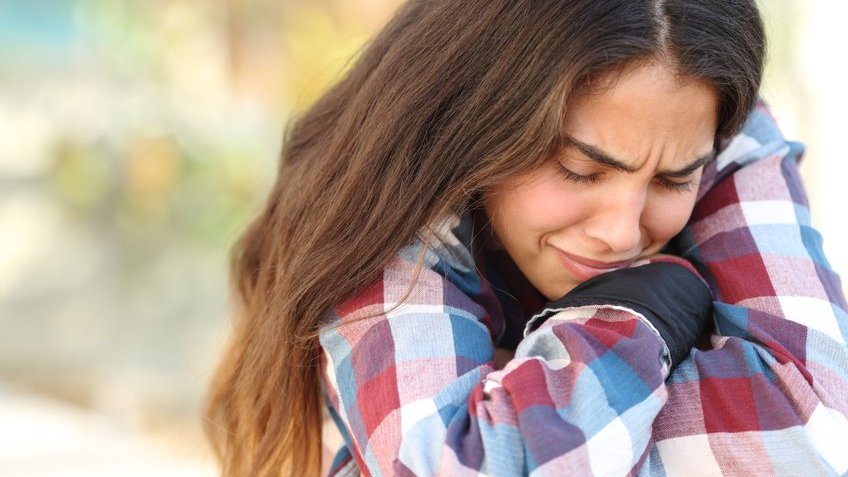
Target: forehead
x=645, y=111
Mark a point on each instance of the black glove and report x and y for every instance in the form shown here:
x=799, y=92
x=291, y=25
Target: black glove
x=670, y=296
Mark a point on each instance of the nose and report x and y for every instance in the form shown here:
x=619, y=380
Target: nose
x=617, y=222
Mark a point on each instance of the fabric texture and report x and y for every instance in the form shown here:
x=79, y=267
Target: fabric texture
x=412, y=389
x=675, y=301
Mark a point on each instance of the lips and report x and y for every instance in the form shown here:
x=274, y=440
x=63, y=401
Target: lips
x=583, y=268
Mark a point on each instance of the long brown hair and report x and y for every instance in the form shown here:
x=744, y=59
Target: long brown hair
x=449, y=99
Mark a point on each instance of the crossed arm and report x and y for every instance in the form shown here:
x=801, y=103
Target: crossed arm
x=418, y=391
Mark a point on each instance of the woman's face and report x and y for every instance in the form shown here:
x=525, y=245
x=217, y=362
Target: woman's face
x=620, y=190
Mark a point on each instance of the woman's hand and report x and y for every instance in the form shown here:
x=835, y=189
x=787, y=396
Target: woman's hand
x=664, y=289
x=664, y=257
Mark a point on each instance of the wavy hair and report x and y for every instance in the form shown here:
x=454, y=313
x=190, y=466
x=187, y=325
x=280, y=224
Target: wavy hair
x=449, y=99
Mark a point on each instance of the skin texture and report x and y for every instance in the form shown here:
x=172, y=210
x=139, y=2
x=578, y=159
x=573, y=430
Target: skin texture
x=652, y=121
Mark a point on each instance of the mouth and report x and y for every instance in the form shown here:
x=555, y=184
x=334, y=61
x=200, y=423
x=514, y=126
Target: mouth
x=584, y=268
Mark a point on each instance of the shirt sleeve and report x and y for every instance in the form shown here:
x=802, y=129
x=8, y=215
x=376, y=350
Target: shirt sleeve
x=768, y=394
x=417, y=392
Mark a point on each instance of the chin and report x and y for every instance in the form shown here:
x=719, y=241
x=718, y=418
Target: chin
x=556, y=292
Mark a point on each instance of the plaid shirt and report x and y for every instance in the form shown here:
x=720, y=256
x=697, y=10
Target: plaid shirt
x=414, y=390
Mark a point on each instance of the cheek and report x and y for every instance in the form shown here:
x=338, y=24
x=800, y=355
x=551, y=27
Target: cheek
x=668, y=216
x=536, y=208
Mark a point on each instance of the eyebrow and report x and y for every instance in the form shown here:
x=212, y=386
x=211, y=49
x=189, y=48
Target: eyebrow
x=606, y=159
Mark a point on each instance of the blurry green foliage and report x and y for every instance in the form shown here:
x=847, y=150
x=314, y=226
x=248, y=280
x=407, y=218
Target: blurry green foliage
x=145, y=136
x=154, y=140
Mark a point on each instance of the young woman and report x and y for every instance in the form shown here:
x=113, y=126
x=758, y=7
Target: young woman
x=538, y=237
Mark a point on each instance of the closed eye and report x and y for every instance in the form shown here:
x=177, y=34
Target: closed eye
x=681, y=187
x=572, y=176
x=668, y=184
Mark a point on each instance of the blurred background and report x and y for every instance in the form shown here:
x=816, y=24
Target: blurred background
x=138, y=137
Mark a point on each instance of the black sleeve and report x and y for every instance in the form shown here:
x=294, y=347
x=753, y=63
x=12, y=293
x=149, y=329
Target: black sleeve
x=672, y=298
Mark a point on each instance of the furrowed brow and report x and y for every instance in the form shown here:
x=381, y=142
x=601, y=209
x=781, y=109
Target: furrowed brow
x=700, y=161
x=598, y=155
x=603, y=158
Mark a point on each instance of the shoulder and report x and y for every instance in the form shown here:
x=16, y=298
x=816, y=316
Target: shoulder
x=435, y=273
x=760, y=137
